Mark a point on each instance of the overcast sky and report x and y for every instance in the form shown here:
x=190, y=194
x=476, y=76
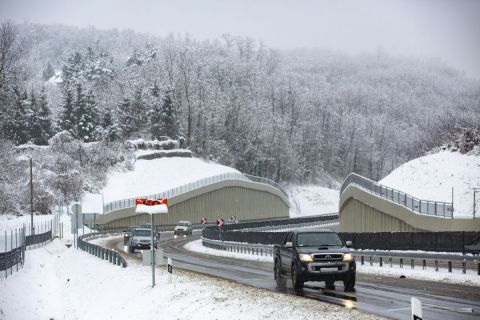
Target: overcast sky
x=445, y=29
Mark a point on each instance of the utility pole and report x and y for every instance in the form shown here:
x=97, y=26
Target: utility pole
x=152, y=250
x=31, y=198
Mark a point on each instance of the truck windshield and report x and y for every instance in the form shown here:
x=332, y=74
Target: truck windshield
x=142, y=233
x=183, y=224
x=319, y=239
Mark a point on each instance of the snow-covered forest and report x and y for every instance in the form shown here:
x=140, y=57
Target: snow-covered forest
x=289, y=115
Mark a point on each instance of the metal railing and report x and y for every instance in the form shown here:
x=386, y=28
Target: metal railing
x=129, y=203
x=105, y=254
x=436, y=208
x=378, y=258
x=15, y=241
x=240, y=247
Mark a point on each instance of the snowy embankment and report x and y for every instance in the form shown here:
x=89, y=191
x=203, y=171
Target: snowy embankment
x=150, y=177
x=432, y=177
x=65, y=283
x=312, y=200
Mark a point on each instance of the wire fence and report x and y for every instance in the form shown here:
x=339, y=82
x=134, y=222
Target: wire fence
x=441, y=209
x=15, y=241
x=129, y=203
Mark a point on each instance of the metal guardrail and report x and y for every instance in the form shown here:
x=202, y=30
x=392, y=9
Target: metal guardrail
x=373, y=258
x=106, y=254
x=440, y=209
x=129, y=203
x=240, y=247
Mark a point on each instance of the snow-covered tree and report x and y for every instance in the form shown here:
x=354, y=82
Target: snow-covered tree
x=67, y=120
x=49, y=72
x=41, y=124
x=126, y=118
x=167, y=116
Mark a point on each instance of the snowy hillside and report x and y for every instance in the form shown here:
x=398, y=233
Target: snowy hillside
x=152, y=176
x=432, y=177
x=312, y=200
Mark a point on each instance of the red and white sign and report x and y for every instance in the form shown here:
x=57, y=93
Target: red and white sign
x=204, y=221
x=151, y=202
x=151, y=206
x=220, y=222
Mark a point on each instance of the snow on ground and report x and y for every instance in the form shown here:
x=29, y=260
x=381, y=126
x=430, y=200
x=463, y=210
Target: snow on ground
x=150, y=177
x=11, y=222
x=456, y=276
x=312, y=200
x=65, y=283
x=432, y=177
x=471, y=278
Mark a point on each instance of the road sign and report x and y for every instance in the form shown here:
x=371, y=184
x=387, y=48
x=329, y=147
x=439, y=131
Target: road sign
x=416, y=309
x=169, y=269
x=204, y=221
x=220, y=222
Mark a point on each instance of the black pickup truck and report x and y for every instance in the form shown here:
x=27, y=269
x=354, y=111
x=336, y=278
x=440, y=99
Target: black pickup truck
x=314, y=255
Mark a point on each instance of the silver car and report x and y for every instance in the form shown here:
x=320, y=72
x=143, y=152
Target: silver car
x=183, y=228
x=141, y=238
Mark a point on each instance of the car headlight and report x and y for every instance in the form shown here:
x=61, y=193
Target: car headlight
x=347, y=257
x=305, y=257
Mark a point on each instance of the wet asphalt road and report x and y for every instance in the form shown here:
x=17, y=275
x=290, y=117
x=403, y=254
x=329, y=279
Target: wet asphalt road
x=385, y=296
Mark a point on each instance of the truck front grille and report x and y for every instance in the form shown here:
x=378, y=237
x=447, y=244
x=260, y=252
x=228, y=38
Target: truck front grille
x=328, y=257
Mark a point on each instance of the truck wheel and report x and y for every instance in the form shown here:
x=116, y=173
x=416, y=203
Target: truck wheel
x=349, y=283
x=277, y=272
x=296, y=283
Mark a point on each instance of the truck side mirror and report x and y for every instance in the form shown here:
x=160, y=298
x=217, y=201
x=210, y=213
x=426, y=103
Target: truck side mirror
x=288, y=245
x=348, y=244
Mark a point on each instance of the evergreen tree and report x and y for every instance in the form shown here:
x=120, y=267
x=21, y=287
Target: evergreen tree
x=73, y=69
x=168, y=118
x=139, y=108
x=155, y=112
x=126, y=118
x=31, y=113
x=41, y=129
x=109, y=128
x=15, y=124
x=86, y=115
x=48, y=72
x=67, y=118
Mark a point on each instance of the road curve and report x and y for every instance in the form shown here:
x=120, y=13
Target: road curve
x=385, y=296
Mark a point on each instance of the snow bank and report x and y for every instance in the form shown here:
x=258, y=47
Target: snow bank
x=150, y=177
x=432, y=177
x=312, y=200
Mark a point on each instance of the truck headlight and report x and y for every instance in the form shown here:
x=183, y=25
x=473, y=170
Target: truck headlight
x=347, y=257
x=305, y=257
